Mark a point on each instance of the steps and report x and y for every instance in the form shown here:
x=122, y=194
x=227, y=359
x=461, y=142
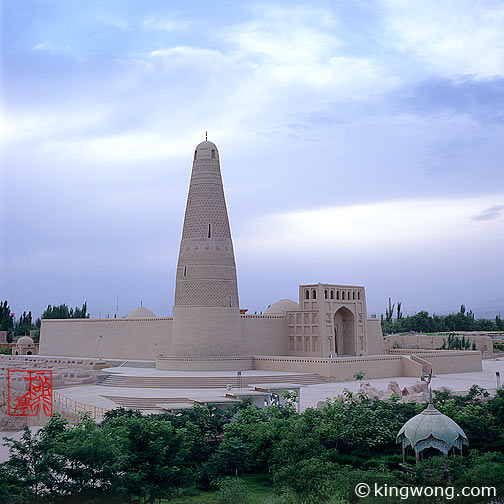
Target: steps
x=147, y=403
x=202, y=382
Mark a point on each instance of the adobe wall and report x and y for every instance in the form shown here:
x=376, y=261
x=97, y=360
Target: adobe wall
x=125, y=338
x=484, y=343
x=335, y=369
x=375, y=343
x=263, y=334
x=447, y=361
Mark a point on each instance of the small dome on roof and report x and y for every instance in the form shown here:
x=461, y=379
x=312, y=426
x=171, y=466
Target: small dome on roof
x=282, y=306
x=432, y=429
x=140, y=312
x=25, y=340
x=206, y=145
x=206, y=151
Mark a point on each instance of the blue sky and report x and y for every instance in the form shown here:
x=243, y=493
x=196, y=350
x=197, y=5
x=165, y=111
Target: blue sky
x=360, y=142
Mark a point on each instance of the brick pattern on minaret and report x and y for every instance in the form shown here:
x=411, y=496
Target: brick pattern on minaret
x=206, y=307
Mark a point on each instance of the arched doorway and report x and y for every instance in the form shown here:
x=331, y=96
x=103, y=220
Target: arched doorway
x=344, y=332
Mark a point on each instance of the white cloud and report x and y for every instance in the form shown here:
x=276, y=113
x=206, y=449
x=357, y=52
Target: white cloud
x=114, y=21
x=49, y=48
x=452, y=37
x=418, y=226
x=164, y=24
x=300, y=46
x=132, y=147
x=187, y=55
x=286, y=36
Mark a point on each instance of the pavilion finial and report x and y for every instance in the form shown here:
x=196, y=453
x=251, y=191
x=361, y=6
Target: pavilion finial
x=206, y=136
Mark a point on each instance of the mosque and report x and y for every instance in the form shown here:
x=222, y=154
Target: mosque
x=326, y=331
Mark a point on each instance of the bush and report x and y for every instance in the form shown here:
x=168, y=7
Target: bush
x=232, y=491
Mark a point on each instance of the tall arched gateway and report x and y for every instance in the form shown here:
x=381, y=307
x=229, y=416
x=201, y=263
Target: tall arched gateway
x=344, y=332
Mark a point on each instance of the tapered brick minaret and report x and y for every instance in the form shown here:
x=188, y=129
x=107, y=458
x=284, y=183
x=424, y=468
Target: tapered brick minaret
x=206, y=316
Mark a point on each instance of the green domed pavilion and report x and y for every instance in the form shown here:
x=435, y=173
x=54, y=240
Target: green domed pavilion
x=431, y=429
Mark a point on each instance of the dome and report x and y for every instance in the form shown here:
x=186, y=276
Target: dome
x=282, y=306
x=206, y=150
x=25, y=340
x=431, y=429
x=140, y=312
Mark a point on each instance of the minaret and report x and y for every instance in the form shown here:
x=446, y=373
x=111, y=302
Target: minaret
x=206, y=315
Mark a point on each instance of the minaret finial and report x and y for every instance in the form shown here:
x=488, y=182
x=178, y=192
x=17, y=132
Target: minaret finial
x=206, y=136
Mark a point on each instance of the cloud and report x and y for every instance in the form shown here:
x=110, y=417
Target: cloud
x=49, y=48
x=114, y=21
x=398, y=226
x=187, y=55
x=300, y=46
x=489, y=214
x=164, y=24
x=451, y=38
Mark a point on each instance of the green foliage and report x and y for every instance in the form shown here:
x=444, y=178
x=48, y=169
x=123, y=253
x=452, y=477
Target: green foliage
x=6, y=322
x=63, y=312
x=24, y=325
x=425, y=323
x=151, y=457
x=232, y=491
x=359, y=376
x=399, y=312
x=311, y=480
x=389, y=312
x=456, y=343
x=315, y=456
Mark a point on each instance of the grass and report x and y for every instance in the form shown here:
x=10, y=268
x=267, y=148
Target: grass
x=260, y=487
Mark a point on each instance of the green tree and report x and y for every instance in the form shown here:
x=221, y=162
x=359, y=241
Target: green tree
x=232, y=491
x=310, y=480
x=152, y=461
x=6, y=322
x=63, y=312
x=35, y=463
x=24, y=324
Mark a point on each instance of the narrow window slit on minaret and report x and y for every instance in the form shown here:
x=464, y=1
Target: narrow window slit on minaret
x=185, y=270
x=209, y=230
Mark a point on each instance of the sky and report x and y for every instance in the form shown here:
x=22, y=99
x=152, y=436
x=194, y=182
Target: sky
x=360, y=143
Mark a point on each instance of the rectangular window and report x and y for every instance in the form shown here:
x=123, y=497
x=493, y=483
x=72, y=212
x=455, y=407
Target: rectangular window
x=209, y=233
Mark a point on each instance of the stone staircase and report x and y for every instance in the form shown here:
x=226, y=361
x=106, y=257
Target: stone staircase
x=202, y=382
x=147, y=403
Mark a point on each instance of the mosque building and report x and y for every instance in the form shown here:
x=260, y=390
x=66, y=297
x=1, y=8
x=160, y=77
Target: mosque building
x=326, y=331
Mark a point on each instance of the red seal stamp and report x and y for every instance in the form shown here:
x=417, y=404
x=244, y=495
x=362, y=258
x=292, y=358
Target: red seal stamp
x=39, y=394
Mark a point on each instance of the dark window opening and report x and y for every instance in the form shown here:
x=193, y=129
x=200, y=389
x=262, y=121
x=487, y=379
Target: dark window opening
x=195, y=155
x=314, y=294
x=358, y=295
x=185, y=270
x=337, y=295
x=343, y=295
x=213, y=153
x=332, y=294
x=307, y=295
x=209, y=231
x=353, y=295
x=325, y=294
